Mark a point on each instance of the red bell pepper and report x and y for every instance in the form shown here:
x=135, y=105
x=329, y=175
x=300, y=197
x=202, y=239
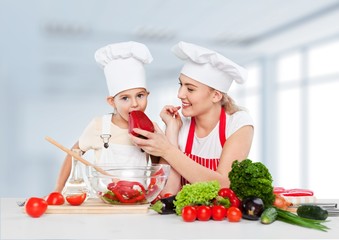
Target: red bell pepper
x=128, y=192
x=138, y=119
x=297, y=192
x=278, y=190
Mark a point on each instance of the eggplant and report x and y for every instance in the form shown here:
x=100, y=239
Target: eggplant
x=164, y=205
x=252, y=208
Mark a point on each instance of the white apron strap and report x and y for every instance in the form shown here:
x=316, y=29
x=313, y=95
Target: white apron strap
x=106, y=129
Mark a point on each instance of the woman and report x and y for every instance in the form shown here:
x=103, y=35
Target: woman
x=123, y=65
x=213, y=132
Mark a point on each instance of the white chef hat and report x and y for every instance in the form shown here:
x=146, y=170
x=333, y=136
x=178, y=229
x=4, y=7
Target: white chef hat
x=209, y=67
x=123, y=65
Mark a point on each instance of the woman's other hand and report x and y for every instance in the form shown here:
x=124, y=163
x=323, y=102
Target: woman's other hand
x=155, y=143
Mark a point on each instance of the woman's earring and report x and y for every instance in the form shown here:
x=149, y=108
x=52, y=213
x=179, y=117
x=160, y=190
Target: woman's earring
x=114, y=111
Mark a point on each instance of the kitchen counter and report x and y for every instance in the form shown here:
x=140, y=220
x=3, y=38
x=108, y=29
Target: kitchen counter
x=15, y=224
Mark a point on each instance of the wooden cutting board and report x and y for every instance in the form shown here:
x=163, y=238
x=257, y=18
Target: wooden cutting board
x=96, y=206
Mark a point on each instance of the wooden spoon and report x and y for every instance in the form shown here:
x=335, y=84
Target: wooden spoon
x=76, y=156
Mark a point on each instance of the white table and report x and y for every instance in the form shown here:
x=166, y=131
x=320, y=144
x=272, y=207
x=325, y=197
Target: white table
x=17, y=225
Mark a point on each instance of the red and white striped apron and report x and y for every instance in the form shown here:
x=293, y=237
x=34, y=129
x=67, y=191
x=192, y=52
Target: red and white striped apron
x=211, y=163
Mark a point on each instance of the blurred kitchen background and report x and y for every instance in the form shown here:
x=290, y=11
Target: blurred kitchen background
x=51, y=86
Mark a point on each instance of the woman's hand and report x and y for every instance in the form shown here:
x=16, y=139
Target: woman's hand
x=170, y=116
x=155, y=143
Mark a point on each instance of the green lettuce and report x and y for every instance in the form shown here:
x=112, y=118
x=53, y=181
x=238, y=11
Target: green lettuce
x=199, y=193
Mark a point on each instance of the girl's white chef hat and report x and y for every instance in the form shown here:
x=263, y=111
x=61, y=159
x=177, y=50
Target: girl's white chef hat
x=123, y=65
x=209, y=67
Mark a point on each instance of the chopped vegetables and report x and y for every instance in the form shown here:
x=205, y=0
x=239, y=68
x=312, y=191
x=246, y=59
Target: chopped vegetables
x=125, y=192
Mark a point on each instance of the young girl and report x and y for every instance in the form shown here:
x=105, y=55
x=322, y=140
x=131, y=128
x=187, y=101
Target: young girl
x=123, y=65
x=213, y=133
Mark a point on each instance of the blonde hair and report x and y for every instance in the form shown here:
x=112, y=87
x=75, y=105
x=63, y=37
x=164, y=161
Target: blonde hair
x=229, y=104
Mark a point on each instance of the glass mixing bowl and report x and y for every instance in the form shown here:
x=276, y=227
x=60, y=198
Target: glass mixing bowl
x=129, y=184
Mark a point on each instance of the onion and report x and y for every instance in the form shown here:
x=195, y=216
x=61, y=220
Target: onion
x=281, y=202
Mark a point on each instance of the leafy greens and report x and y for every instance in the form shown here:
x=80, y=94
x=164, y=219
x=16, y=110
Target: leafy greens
x=199, y=193
x=248, y=179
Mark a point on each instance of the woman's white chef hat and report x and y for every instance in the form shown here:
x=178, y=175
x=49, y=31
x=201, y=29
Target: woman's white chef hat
x=209, y=67
x=123, y=65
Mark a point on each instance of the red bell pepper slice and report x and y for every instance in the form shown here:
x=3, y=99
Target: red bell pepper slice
x=297, y=192
x=278, y=190
x=129, y=192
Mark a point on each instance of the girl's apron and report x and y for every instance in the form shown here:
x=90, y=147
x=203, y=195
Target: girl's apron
x=206, y=162
x=119, y=154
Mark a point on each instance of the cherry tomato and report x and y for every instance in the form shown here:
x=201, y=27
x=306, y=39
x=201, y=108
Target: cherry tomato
x=234, y=214
x=204, y=213
x=35, y=207
x=189, y=214
x=166, y=195
x=218, y=212
x=77, y=199
x=55, y=198
x=156, y=199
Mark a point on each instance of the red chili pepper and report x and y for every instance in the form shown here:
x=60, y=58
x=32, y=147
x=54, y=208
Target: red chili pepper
x=296, y=192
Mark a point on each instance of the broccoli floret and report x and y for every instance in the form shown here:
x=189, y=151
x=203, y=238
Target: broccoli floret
x=200, y=193
x=249, y=178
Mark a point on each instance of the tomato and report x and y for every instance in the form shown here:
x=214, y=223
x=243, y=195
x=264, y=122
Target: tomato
x=77, y=199
x=234, y=214
x=204, y=213
x=55, y=198
x=156, y=199
x=218, y=212
x=230, y=194
x=166, y=195
x=189, y=214
x=35, y=207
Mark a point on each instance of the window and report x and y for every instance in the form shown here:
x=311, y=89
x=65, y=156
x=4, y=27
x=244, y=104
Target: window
x=324, y=59
x=307, y=120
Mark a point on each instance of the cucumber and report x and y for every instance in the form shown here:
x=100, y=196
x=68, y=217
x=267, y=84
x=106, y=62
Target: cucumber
x=269, y=215
x=312, y=212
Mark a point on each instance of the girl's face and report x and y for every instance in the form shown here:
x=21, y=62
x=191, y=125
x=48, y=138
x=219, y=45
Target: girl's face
x=196, y=98
x=127, y=101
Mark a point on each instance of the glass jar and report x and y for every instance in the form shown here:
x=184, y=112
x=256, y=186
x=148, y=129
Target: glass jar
x=77, y=182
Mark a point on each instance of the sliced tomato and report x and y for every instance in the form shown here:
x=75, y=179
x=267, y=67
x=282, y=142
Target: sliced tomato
x=77, y=199
x=55, y=198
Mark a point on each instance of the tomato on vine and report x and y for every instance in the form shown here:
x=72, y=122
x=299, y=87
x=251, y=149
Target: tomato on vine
x=189, y=214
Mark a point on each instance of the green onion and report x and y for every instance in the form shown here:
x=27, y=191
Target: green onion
x=288, y=217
